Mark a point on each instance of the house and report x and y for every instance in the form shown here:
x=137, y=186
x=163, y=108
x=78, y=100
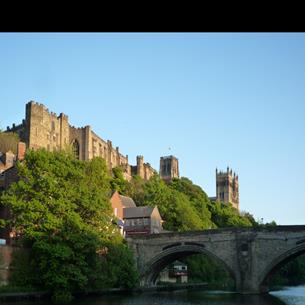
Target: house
x=174, y=273
x=142, y=220
x=134, y=220
x=120, y=202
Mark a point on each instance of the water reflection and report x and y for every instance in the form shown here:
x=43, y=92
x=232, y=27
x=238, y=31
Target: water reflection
x=184, y=298
x=289, y=296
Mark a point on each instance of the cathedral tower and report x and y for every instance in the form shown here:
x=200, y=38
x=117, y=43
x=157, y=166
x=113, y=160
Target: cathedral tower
x=227, y=190
x=169, y=168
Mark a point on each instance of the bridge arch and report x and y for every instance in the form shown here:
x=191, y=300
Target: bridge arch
x=280, y=261
x=172, y=253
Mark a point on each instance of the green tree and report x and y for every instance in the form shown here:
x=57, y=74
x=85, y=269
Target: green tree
x=224, y=215
x=118, y=183
x=202, y=268
x=197, y=197
x=292, y=273
x=60, y=208
x=173, y=206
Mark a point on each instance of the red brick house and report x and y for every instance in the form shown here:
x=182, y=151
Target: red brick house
x=120, y=202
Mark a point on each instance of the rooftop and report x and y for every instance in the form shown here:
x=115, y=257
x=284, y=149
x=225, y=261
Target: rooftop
x=138, y=212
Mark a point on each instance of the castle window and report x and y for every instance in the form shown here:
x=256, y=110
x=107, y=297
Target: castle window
x=75, y=149
x=53, y=125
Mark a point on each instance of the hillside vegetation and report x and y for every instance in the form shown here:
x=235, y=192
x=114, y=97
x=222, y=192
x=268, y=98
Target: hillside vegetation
x=61, y=213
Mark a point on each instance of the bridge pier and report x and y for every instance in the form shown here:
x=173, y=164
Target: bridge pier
x=250, y=287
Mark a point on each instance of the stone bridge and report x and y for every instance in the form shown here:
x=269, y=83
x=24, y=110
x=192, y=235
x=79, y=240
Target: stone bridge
x=249, y=254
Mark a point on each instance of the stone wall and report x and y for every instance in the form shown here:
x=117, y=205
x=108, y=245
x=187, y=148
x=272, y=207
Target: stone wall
x=5, y=260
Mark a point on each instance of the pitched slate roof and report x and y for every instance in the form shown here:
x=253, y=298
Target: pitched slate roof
x=127, y=202
x=138, y=212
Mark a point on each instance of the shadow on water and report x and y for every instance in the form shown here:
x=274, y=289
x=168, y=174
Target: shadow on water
x=182, y=297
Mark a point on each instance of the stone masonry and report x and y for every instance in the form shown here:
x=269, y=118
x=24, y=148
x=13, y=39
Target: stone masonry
x=227, y=189
x=249, y=254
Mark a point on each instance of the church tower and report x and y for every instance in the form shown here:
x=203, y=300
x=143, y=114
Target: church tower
x=169, y=168
x=227, y=189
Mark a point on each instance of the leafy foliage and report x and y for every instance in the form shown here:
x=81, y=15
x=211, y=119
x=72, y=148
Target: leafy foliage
x=179, y=198
x=224, y=215
x=202, y=268
x=61, y=211
x=292, y=273
x=118, y=183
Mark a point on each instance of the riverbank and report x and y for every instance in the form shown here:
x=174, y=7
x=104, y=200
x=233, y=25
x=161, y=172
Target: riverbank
x=34, y=295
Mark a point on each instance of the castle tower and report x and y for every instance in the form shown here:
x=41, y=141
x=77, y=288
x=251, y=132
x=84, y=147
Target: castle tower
x=140, y=166
x=227, y=189
x=169, y=168
x=44, y=129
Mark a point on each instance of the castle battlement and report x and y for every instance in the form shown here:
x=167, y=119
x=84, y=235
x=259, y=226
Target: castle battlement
x=229, y=173
x=78, y=128
x=168, y=157
x=36, y=104
x=45, y=110
x=15, y=127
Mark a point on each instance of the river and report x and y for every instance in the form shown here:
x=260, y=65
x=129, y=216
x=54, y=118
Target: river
x=287, y=296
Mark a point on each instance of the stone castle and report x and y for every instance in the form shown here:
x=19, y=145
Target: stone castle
x=44, y=129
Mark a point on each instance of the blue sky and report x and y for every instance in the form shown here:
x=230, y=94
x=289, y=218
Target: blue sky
x=214, y=99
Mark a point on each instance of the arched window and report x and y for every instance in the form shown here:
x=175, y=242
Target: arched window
x=75, y=148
